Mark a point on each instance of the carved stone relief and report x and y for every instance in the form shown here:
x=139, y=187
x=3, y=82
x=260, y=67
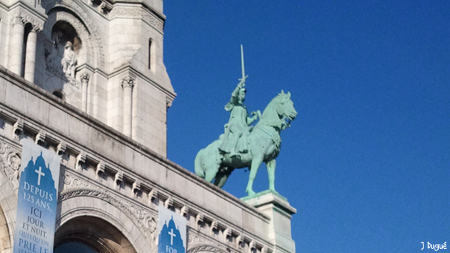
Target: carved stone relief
x=10, y=163
x=72, y=181
x=194, y=238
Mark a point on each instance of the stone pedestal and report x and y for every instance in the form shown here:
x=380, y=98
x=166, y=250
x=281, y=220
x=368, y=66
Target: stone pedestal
x=277, y=208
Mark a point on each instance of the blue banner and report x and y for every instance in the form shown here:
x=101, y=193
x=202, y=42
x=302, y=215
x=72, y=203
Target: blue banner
x=172, y=232
x=37, y=200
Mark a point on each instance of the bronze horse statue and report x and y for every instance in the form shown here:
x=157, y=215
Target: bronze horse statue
x=264, y=145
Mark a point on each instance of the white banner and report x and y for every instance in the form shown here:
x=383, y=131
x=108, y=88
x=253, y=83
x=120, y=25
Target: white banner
x=172, y=231
x=37, y=200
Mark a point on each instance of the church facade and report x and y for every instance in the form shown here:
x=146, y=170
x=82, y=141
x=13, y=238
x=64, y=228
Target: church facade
x=86, y=80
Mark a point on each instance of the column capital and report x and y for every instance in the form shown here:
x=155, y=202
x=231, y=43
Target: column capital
x=37, y=28
x=18, y=20
x=128, y=82
x=85, y=77
x=23, y=19
x=169, y=101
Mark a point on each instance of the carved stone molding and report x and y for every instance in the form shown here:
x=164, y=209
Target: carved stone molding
x=138, y=12
x=144, y=220
x=206, y=248
x=72, y=181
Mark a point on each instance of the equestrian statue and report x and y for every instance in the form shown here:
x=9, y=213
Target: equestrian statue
x=243, y=145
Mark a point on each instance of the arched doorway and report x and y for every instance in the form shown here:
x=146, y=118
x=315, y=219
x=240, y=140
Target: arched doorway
x=91, y=235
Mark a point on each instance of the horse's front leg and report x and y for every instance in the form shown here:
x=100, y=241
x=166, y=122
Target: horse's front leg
x=256, y=162
x=221, y=177
x=271, y=165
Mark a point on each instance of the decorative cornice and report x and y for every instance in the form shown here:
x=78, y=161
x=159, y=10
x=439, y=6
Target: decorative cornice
x=138, y=12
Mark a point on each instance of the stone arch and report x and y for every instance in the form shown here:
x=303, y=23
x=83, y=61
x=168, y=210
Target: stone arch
x=8, y=196
x=9, y=166
x=5, y=238
x=78, y=9
x=88, y=53
x=95, y=232
x=78, y=203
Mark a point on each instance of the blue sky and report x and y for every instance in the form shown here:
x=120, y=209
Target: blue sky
x=366, y=161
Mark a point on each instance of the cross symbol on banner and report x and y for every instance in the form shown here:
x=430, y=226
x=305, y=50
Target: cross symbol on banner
x=172, y=235
x=40, y=173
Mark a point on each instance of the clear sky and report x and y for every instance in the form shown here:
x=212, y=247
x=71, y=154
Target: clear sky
x=366, y=162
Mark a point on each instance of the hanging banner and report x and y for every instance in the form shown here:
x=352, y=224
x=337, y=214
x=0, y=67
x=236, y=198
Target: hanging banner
x=172, y=231
x=37, y=200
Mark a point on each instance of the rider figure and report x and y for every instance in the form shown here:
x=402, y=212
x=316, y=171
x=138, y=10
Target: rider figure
x=237, y=129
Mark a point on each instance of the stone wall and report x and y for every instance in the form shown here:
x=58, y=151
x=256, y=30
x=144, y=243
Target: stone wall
x=108, y=175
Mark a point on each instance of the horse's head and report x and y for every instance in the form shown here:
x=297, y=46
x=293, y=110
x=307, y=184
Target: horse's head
x=285, y=107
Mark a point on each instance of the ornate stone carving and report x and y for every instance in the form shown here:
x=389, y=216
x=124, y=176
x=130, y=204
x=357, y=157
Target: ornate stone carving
x=25, y=18
x=196, y=238
x=10, y=163
x=206, y=248
x=143, y=219
x=72, y=181
x=85, y=78
x=128, y=82
x=133, y=12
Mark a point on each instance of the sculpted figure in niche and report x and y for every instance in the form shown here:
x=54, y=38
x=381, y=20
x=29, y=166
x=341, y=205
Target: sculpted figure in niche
x=63, y=47
x=69, y=60
x=237, y=129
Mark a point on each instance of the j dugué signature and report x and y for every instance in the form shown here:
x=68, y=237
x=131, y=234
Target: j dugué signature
x=434, y=247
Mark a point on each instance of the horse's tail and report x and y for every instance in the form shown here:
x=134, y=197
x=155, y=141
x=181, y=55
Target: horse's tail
x=199, y=164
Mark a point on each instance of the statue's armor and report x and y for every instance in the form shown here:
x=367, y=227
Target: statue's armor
x=236, y=131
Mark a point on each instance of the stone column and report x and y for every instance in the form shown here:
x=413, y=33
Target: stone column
x=18, y=31
x=127, y=85
x=277, y=208
x=84, y=90
x=30, y=55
